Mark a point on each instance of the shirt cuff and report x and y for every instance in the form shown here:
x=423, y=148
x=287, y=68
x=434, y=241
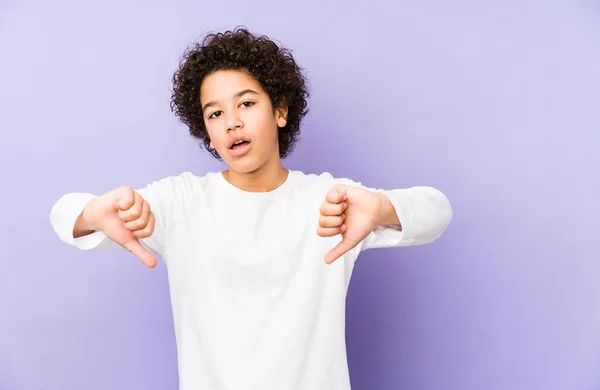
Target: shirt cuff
x=424, y=214
x=63, y=216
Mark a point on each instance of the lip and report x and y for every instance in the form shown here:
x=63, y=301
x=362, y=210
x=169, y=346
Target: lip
x=236, y=139
x=240, y=151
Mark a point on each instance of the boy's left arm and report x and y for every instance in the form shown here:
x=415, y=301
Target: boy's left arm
x=368, y=218
x=412, y=216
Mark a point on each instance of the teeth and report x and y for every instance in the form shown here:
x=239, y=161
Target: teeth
x=238, y=142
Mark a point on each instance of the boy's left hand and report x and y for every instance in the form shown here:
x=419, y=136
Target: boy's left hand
x=353, y=212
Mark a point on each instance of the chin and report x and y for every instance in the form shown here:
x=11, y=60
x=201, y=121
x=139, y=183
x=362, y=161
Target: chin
x=244, y=165
x=250, y=162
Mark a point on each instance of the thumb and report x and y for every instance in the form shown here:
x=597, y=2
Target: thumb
x=339, y=250
x=140, y=252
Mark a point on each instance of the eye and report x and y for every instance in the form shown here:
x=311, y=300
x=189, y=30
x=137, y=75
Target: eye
x=247, y=104
x=215, y=114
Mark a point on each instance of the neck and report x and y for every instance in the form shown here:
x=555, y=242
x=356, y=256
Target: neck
x=266, y=178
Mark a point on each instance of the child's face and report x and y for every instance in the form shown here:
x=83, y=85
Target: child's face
x=236, y=108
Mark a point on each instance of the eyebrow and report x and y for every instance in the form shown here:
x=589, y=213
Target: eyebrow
x=237, y=95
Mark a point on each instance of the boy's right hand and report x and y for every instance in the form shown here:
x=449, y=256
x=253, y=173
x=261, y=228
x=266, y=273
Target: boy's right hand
x=124, y=217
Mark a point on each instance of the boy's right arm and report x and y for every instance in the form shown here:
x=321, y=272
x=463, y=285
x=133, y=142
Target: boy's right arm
x=82, y=226
x=134, y=220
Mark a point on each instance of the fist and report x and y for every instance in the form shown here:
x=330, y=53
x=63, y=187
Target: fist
x=124, y=217
x=352, y=212
x=331, y=221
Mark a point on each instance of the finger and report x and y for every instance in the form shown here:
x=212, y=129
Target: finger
x=124, y=198
x=148, y=230
x=141, y=253
x=136, y=210
x=142, y=217
x=336, y=194
x=333, y=208
x=330, y=232
x=339, y=250
x=331, y=222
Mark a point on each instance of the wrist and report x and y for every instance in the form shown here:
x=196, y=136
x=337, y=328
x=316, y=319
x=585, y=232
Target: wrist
x=86, y=218
x=387, y=215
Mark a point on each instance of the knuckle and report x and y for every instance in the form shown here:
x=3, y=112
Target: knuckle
x=125, y=194
x=148, y=229
x=136, y=211
x=140, y=234
x=141, y=224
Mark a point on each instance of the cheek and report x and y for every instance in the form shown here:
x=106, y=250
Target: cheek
x=213, y=135
x=268, y=126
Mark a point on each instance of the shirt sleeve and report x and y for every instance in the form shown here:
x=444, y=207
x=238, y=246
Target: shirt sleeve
x=67, y=209
x=424, y=213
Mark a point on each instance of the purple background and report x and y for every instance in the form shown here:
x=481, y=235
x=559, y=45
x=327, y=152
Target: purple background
x=497, y=106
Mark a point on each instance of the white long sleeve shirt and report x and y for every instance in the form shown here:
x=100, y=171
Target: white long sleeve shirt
x=255, y=307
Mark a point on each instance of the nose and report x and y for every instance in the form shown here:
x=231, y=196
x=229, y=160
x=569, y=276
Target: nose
x=234, y=122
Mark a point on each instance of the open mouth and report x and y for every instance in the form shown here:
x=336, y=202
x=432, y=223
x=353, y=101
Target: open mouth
x=239, y=145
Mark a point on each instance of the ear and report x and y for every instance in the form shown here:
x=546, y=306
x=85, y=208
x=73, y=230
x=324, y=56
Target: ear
x=281, y=115
x=211, y=145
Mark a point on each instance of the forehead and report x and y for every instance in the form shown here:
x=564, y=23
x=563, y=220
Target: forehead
x=224, y=84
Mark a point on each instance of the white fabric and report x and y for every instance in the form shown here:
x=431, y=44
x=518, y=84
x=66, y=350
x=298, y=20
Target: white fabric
x=255, y=306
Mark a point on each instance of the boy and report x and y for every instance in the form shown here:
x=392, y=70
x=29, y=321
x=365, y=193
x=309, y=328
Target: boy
x=259, y=257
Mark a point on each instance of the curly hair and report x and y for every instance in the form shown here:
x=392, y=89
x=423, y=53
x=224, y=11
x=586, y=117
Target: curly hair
x=272, y=66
